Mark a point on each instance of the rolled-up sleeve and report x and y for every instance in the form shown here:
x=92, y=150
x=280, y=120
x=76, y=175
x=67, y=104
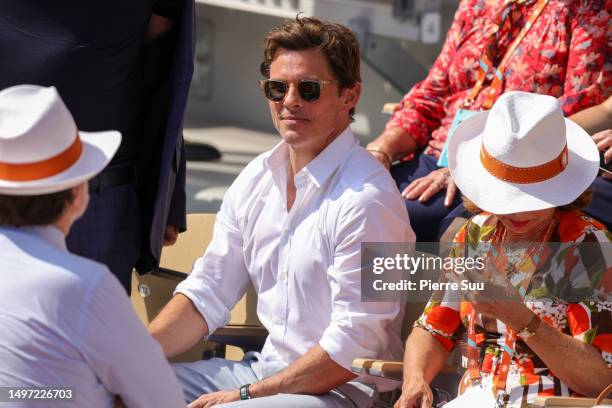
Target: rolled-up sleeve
x=362, y=329
x=220, y=277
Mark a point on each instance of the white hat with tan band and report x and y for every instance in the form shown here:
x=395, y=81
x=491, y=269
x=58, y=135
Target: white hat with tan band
x=41, y=149
x=522, y=155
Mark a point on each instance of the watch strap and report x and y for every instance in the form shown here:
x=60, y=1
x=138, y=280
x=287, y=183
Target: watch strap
x=244, y=392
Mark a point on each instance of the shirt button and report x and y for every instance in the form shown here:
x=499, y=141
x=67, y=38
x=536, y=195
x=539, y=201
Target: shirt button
x=282, y=276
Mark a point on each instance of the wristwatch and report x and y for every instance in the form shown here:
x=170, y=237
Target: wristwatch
x=244, y=392
x=531, y=328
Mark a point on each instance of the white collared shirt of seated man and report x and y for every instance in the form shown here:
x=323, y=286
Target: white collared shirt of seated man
x=292, y=224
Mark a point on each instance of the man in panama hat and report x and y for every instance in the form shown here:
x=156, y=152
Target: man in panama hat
x=62, y=315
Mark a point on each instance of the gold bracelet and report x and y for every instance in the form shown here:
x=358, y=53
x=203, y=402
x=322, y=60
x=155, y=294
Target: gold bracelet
x=379, y=150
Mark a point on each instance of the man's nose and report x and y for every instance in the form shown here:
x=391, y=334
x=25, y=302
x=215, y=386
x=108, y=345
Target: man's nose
x=293, y=97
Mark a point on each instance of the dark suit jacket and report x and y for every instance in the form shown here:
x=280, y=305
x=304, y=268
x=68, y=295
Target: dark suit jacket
x=109, y=79
x=163, y=200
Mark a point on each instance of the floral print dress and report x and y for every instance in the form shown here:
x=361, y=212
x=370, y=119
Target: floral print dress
x=589, y=320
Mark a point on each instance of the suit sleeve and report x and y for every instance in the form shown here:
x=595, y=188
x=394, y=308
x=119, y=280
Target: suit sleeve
x=178, y=205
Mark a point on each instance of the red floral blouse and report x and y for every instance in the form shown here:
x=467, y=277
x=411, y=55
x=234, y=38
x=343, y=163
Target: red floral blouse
x=566, y=54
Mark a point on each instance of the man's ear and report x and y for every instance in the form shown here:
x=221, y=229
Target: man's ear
x=351, y=96
x=78, y=190
x=75, y=208
x=80, y=194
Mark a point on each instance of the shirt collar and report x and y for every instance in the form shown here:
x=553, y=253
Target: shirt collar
x=322, y=166
x=326, y=163
x=278, y=156
x=48, y=233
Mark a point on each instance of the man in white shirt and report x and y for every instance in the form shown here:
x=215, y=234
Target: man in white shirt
x=292, y=224
x=67, y=326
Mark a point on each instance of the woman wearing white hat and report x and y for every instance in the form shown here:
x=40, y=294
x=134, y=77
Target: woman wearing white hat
x=67, y=325
x=525, y=169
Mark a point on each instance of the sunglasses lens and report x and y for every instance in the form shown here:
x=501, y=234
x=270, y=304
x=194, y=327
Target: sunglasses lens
x=275, y=90
x=310, y=91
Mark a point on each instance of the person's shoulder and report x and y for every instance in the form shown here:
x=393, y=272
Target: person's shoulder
x=252, y=173
x=467, y=10
x=247, y=187
x=51, y=260
x=85, y=267
x=577, y=226
x=72, y=275
x=363, y=184
x=256, y=166
x=60, y=284
x=73, y=266
x=361, y=169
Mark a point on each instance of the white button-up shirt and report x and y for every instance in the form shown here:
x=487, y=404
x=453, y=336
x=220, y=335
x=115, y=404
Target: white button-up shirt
x=305, y=263
x=65, y=321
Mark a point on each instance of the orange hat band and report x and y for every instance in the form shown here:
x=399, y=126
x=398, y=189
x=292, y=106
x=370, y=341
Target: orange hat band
x=523, y=175
x=42, y=169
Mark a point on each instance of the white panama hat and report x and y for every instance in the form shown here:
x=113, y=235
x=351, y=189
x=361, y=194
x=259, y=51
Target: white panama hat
x=41, y=149
x=522, y=155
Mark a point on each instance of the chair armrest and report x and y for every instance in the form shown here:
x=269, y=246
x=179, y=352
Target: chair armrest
x=378, y=368
x=567, y=402
x=387, y=369
x=362, y=365
x=248, y=338
x=241, y=331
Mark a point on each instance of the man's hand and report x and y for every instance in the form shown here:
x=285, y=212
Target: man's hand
x=171, y=234
x=215, y=398
x=158, y=26
x=604, y=144
x=426, y=187
x=415, y=394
